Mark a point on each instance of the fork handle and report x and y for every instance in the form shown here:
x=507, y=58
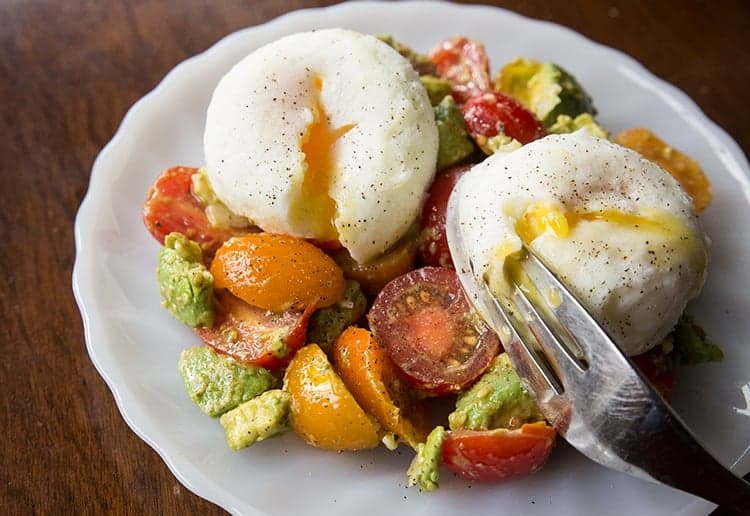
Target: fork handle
x=675, y=458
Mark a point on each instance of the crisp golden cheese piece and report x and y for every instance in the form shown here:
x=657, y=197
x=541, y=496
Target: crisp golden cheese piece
x=327, y=135
x=618, y=230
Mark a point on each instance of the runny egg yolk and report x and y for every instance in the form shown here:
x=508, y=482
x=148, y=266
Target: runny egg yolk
x=315, y=204
x=539, y=217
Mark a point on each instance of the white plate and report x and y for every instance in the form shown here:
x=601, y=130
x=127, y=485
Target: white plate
x=135, y=344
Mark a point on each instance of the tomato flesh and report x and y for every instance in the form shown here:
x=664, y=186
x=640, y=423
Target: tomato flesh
x=378, y=386
x=433, y=242
x=171, y=207
x=255, y=336
x=491, y=113
x=501, y=454
x=425, y=324
x=463, y=62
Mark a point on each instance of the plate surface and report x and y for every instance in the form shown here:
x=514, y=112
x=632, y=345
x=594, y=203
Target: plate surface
x=135, y=344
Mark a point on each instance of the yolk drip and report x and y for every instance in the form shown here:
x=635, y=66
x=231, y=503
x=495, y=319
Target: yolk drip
x=538, y=218
x=316, y=205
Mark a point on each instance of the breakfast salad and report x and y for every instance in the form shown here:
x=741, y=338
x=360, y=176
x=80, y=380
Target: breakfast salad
x=309, y=255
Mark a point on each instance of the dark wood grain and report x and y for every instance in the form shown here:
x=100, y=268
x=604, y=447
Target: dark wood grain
x=68, y=73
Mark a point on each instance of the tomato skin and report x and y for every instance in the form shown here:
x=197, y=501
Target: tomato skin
x=323, y=411
x=277, y=272
x=433, y=242
x=659, y=368
x=248, y=334
x=171, y=207
x=489, y=113
x=463, y=62
x=425, y=324
x=377, y=385
x=498, y=455
x=373, y=276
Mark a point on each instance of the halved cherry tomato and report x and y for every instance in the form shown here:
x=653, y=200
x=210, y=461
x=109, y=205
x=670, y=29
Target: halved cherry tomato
x=277, y=272
x=255, y=336
x=492, y=455
x=425, y=324
x=170, y=206
x=433, y=243
x=378, y=386
x=323, y=411
x=374, y=275
x=659, y=368
x=463, y=62
x=490, y=113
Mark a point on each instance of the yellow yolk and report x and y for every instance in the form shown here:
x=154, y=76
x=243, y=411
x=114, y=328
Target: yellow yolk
x=318, y=145
x=540, y=217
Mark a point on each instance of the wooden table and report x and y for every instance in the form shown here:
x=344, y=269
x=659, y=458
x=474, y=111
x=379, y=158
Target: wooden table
x=68, y=73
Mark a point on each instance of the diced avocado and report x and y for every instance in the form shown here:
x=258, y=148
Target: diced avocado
x=546, y=89
x=691, y=346
x=454, y=142
x=585, y=121
x=217, y=383
x=497, y=400
x=436, y=87
x=257, y=419
x=326, y=324
x=421, y=62
x=424, y=470
x=185, y=284
x=498, y=143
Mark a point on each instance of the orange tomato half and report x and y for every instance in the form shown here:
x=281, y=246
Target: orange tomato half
x=376, y=384
x=277, y=272
x=323, y=411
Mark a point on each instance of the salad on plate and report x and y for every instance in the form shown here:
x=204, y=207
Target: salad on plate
x=309, y=255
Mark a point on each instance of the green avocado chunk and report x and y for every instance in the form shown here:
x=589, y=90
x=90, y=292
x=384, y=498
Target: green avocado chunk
x=326, y=324
x=436, y=87
x=691, y=346
x=497, y=400
x=424, y=469
x=421, y=62
x=217, y=383
x=454, y=142
x=257, y=419
x=185, y=284
x=584, y=121
x=546, y=89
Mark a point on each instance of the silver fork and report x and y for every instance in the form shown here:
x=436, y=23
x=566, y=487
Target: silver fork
x=589, y=390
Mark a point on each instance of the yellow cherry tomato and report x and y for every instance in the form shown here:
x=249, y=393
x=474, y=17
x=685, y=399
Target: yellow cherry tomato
x=377, y=385
x=277, y=272
x=323, y=411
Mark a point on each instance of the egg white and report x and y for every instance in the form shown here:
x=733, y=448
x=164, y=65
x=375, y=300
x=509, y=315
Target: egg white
x=261, y=114
x=636, y=279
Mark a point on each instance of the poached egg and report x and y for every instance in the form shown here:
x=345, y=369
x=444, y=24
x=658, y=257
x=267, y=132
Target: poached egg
x=327, y=135
x=618, y=230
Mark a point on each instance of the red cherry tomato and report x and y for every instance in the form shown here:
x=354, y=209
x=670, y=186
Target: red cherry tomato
x=501, y=454
x=490, y=113
x=463, y=62
x=425, y=324
x=433, y=243
x=253, y=335
x=659, y=368
x=170, y=206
